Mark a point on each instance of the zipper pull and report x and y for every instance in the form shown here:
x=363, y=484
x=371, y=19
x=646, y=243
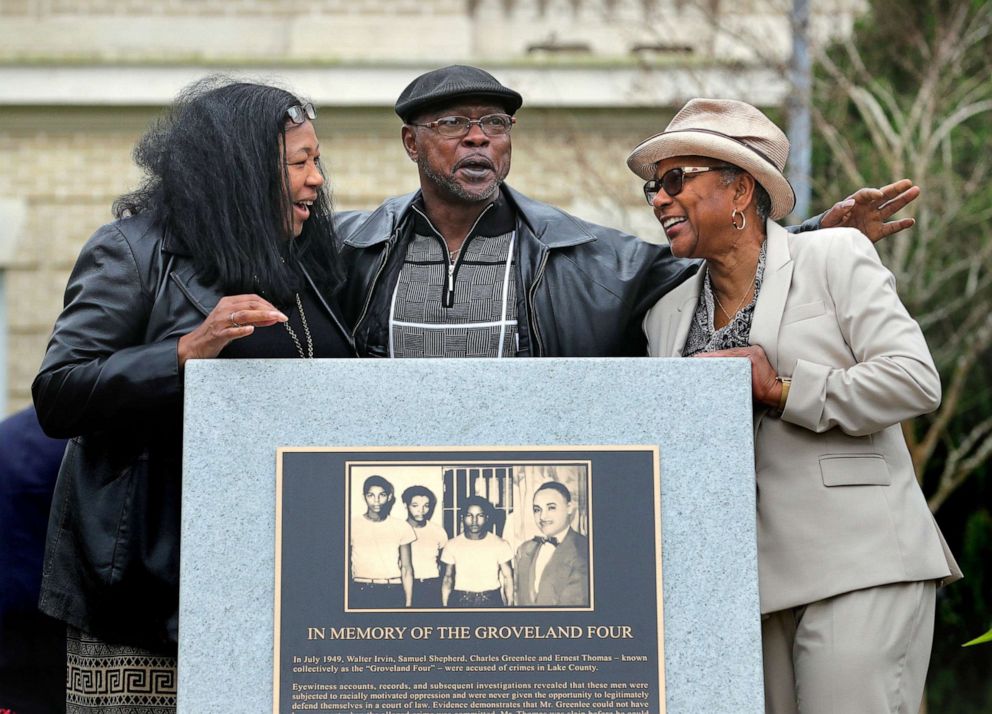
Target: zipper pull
x=449, y=298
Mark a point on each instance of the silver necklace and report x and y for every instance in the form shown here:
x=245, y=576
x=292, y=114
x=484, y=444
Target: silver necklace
x=306, y=332
x=741, y=303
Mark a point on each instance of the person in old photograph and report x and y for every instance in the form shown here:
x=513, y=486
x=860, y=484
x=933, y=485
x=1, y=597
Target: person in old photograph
x=477, y=567
x=849, y=554
x=552, y=569
x=381, y=560
x=420, y=503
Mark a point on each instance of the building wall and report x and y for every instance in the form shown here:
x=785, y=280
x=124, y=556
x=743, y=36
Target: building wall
x=80, y=79
x=434, y=30
x=65, y=168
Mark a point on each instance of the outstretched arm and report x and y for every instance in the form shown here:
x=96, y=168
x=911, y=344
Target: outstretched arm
x=869, y=209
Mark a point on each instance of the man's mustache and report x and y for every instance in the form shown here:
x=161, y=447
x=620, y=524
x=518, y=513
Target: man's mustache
x=475, y=161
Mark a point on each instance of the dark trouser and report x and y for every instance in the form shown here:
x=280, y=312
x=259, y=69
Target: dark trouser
x=375, y=596
x=427, y=592
x=32, y=658
x=486, y=598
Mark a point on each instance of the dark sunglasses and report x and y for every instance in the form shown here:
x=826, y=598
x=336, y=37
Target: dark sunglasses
x=299, y=113
x=673, y=180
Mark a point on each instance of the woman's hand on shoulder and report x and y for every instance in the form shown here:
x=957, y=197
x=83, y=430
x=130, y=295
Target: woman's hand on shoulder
x=234, y=317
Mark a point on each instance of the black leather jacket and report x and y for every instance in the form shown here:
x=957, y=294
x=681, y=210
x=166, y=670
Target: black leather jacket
x=110, y=381
x=582, y=289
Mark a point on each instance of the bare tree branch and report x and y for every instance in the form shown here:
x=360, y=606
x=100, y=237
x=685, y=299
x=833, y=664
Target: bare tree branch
x=960, y=465
x=980, y=342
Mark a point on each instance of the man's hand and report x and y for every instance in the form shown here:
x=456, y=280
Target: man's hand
x=868, y=208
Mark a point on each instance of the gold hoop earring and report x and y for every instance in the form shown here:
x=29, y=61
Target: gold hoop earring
x=733, y=220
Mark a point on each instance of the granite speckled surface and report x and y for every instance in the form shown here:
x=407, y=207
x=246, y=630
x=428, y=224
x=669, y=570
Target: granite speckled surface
x=697, y=411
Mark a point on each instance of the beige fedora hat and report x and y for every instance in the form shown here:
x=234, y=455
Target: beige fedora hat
x=728, y=130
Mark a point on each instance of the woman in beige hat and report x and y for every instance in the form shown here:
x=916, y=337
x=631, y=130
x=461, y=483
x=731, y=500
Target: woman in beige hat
x=848, y=552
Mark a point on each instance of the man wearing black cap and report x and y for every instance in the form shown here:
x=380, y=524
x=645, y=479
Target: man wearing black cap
x=469, y=267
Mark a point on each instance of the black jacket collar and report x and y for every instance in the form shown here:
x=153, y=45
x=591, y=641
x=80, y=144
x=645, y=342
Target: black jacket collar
x=380, y=225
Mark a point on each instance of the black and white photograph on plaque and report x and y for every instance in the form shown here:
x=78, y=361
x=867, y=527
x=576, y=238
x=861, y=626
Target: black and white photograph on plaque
x=468, y=535
x=425, y=578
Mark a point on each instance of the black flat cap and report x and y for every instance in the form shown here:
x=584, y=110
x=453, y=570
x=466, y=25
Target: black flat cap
x=442, y=86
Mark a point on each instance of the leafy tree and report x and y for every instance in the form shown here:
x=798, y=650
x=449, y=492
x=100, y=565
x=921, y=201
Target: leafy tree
x=910, y=94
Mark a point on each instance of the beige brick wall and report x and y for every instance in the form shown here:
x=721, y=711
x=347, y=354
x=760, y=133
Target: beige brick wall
x=65, y=169
x=68, y=165
x=206, y=8
x=330, y=31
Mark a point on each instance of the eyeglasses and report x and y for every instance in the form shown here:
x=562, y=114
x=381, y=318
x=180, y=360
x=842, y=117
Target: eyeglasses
x=299, y=113
x=673, y=180
x=457, y=127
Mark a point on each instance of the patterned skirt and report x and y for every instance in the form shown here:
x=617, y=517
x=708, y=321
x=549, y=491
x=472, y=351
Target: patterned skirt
x=116, y=679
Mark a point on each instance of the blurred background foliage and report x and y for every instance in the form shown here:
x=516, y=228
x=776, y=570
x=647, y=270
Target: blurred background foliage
x=910, y=94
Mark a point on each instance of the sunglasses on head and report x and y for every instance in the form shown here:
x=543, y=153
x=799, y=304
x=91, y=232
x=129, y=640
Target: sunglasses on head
x=673, y=180
x=299, y=113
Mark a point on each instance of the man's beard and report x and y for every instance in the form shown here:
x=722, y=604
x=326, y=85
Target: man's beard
x=458, y=190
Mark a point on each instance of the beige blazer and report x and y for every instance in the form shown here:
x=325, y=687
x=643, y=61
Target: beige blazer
x=839, y=507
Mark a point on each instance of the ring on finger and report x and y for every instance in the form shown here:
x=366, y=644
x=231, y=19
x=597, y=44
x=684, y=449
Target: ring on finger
x=234, y=323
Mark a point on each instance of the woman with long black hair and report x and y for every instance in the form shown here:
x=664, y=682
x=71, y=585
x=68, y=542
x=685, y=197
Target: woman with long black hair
x=226, y=250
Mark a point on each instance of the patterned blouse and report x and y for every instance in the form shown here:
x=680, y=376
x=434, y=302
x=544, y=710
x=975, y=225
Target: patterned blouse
x=703, y=338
